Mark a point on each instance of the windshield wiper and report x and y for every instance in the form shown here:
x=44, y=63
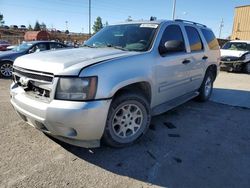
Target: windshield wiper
x=115, y=47
x=89, y=46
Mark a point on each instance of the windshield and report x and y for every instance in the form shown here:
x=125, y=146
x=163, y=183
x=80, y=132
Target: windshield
x=22, y=47
x=238, y=46
x=129, y=37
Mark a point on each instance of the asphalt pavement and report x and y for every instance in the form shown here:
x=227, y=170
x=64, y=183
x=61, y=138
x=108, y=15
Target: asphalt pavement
x=194, y=145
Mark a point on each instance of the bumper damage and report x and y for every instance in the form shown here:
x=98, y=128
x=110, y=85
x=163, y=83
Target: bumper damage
x=76, y=123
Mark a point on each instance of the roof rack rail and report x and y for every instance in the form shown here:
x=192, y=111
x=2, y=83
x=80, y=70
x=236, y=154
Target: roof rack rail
x=186, y=21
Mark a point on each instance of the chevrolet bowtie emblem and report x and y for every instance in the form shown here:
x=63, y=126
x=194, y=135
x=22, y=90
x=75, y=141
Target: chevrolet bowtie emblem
x=24, y=81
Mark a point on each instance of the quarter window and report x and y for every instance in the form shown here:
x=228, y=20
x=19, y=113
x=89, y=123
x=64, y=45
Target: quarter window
x=194, y=39
x=211, y=40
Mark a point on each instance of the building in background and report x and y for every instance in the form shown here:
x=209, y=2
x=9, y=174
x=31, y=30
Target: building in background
x=36, y=35
x=241, y=27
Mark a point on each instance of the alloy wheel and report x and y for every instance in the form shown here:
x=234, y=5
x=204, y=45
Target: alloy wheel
x=6, y=69
x=127, y=121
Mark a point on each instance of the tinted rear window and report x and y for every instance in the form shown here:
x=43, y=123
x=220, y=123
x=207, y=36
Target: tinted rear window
x=210, y=38
x=194, y=39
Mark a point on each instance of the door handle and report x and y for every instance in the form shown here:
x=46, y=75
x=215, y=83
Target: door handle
x=186, y=61
x=205, y=58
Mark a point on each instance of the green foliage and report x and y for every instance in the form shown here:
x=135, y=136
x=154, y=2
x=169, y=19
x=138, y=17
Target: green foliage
x=43, y=26
x=30, y=27
x=37, y=26
x=129, y=19
x=97, y=25
x=1, y=19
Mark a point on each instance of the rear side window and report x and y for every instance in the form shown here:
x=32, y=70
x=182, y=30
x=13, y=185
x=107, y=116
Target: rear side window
x=194, y=39
x=210, y=38
x=173, y=33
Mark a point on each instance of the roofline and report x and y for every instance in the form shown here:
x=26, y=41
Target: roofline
x=242, y=6
x=161, y=22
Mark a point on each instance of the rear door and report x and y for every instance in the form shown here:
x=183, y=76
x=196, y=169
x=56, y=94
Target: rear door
x=198, y=57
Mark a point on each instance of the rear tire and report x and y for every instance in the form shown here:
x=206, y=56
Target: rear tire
x=6, y=69
x=128, y=119
x=247, y=68
x=206, y=88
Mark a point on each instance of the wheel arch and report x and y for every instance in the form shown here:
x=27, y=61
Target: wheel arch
x=7, y=60
x=142, y=87
x=213, y=69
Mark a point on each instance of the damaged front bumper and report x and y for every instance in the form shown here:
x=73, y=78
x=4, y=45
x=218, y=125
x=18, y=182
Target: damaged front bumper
x=232, y=65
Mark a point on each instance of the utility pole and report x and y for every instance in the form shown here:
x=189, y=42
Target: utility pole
x=89, y=17
x=66, y=23
x=221, y=26
x=174, y=7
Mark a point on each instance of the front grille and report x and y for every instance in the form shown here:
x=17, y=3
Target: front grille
x=229, y=58
x=35, y=84
x=40, y=76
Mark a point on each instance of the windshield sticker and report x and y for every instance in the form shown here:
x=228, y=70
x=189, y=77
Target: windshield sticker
x=149, y=25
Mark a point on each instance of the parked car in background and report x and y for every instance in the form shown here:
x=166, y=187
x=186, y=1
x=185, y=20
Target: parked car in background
x=13, y=27
x=22, y=27
x=3, y=45
x=7, y=58
x=109, y=89
x=235, y=56
x=11, y=47
x=6, y=27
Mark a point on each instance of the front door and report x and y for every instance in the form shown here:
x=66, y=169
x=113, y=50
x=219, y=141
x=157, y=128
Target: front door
x=171, y=70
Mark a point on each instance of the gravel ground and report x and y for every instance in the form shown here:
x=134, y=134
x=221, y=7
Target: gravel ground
x=194, y=145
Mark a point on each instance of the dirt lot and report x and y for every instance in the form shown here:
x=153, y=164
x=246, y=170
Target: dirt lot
x=194, y=145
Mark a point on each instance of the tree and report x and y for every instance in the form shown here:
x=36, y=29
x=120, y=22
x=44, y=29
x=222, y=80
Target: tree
x=37, y=26
x=1, y=19
x=129, y=19
x=43, y=26
x=97, y=25
x=30, y=27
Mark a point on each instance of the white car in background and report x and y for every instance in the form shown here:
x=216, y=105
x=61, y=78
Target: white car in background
x=235, y=56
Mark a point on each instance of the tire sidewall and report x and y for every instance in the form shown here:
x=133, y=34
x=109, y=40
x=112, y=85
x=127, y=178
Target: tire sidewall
x=203, y=96
x=109, y=136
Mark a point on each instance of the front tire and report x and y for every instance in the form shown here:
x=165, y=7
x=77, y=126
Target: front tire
x=128, y=119
x=6, y=69
x=206, y=88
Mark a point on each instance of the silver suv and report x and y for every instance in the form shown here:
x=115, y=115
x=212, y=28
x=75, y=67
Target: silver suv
x=109, y=89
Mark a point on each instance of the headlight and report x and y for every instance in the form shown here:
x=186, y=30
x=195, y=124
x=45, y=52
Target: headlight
x=76, y=89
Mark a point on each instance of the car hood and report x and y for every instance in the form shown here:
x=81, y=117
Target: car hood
x=68, y=61
x=232, y=53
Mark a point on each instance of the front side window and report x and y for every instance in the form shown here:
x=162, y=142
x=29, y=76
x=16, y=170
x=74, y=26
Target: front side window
x=172, y=40
x=38, y=48
x=54, y=46
x=129, y=37
x=194, y=39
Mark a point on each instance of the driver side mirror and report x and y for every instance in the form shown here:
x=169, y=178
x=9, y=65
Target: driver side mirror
x=171, y=47
x=31, y=51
